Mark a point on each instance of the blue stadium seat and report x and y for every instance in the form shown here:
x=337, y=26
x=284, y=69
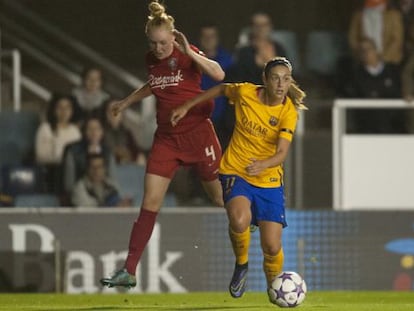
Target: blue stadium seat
x=9, y=153
x=20, y=128
x=289, y=40
x=36, y=200
x=130, y=178
x=16, y=179
x=323, y=51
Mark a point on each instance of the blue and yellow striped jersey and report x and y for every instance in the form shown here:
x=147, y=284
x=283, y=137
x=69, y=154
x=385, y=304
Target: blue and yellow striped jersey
x=257, y=130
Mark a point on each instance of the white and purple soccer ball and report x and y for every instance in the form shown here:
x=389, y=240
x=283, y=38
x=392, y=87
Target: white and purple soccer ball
x=288, y=289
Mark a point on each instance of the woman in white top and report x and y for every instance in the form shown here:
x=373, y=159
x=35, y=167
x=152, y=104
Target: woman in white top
x=90, y=94
x=53, y=135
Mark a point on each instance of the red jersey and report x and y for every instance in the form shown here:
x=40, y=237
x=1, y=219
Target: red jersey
x=173, y=81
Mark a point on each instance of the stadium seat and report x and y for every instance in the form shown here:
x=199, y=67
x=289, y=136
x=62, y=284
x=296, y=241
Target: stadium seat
x=288, y=39
x=323, y=50
x=9, y=153
x=36, y=200
x=130, y=178
x=20, y=128
x=16, y=179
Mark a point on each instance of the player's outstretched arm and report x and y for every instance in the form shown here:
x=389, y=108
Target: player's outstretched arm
x=136, y=96
x=208, y=66
x=178, y=113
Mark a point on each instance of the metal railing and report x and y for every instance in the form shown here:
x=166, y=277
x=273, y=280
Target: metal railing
x=28, y=38
x=16, y=76
x=74, y=44
x=19, y=80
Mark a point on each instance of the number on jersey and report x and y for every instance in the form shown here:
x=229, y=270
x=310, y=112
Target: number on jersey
x=210, y=152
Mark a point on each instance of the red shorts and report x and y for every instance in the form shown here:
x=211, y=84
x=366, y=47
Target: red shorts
x=198, y=148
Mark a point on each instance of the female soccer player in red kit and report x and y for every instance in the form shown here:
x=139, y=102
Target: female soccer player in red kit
x=174, y=75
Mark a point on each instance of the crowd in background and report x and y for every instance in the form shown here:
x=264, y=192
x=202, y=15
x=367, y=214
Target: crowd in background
x=80, y=143
x=381, y=40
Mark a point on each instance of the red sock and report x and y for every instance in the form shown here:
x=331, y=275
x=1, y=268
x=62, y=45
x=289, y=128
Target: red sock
x=140, y=234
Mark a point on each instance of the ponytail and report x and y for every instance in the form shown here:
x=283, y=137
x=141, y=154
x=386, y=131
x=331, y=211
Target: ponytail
x=296, y=94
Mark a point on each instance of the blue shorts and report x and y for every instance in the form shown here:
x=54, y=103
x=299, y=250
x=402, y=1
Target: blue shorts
x=267, y=204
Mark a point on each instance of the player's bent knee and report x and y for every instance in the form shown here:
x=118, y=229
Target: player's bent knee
x=239, y=225
x=151, y=204
x=272, y=249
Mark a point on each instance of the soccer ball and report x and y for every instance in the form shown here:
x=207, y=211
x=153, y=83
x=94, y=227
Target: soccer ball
x=288, y=289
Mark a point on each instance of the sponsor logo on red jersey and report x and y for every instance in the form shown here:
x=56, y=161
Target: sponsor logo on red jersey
x=163, y=81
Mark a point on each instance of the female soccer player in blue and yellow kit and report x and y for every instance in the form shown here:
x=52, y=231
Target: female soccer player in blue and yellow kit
x=251, y=171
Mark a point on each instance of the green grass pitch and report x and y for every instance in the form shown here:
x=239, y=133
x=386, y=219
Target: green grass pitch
x=337, y=301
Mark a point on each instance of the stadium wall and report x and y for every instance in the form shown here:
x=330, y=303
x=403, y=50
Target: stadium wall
x=47, y=250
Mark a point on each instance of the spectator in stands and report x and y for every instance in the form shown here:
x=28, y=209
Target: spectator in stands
x=54, y=134
x=210, y=45
x=374, y=78
x=90, y=94
x=95, y=188
x=75, y=156
x=260, y=25
x=262, y=47
x=119, y=139
x=383, y=25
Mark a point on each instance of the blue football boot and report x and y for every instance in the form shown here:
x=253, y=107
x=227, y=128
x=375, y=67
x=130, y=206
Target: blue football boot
x=239, y=280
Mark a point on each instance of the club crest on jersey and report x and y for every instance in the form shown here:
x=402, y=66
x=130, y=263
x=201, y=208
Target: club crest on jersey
x=273, y=121
x=172, y=63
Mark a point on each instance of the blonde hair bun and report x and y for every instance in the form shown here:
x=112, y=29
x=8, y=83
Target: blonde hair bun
x=158, y=17
x=156, y=9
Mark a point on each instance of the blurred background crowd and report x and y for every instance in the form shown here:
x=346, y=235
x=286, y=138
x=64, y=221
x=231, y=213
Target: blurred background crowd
x=69, y=150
